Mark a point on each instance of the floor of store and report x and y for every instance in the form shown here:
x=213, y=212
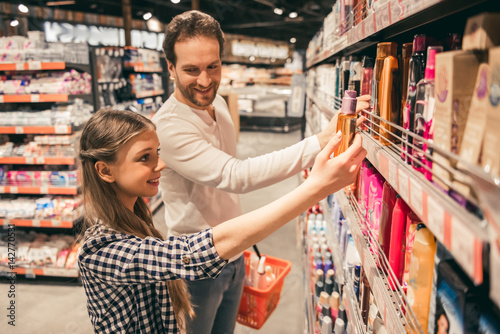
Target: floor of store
x=61, y=308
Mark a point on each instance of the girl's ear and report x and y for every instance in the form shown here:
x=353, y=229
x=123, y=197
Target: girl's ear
x=104, y=171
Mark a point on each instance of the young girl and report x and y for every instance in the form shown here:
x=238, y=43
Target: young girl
x=132, y=277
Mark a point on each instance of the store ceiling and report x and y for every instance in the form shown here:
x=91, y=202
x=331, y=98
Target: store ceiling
x=246, y=17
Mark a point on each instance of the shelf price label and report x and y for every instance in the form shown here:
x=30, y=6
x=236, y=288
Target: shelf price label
x=35, y=65
x=416, y=197
x=61, y=129
x=462, y=246
x=435, y=219
x=19, y=130
x=495, y=271
x=404, y=190
x=35, y=97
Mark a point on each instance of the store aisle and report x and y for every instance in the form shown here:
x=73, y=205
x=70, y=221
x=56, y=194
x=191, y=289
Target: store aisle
x=60, y=309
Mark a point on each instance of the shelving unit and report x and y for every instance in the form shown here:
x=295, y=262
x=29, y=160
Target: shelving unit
x=54, y=223
x=471, y=239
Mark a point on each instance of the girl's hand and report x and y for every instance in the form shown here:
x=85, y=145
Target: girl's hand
x=330, y=130
x=332, y=174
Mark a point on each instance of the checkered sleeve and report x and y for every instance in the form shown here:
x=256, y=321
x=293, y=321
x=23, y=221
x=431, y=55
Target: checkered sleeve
x=125, y=259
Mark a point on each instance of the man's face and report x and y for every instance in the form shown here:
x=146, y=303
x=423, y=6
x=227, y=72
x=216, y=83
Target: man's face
x=197, y=72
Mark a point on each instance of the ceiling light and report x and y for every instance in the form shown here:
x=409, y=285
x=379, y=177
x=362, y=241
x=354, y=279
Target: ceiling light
x=293, y=40
x=175, y=1
x=14, y=23
x=293, y=15
x=147, y=16
x=278, y=11
x=22, y=8
x=154, y=25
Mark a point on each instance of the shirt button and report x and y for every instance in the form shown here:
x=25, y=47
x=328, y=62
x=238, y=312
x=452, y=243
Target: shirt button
x=186, y=260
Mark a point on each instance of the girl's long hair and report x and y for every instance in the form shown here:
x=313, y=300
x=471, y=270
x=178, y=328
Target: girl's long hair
x=103, y=135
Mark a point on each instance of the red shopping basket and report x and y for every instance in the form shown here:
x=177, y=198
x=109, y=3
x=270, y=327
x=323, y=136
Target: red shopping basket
x=257, y=304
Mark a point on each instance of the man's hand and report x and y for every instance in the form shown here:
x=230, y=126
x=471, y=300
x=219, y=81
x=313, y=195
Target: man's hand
x=327, y=134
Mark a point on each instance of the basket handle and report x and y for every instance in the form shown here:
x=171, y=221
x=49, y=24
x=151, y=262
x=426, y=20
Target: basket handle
x=256, y=251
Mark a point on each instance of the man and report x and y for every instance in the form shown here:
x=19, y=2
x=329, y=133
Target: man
x=203, y=177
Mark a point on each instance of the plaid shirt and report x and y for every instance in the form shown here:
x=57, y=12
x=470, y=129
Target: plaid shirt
x=124, y=277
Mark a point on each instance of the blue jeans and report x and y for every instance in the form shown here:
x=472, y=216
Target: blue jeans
x=216, y=301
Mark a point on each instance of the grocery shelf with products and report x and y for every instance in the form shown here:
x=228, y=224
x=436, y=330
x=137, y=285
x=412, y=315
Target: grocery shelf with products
x=429, y=136
x=46, y=97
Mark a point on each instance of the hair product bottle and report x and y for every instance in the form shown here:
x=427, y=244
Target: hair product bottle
x=398, y=241
x=404, y=66
x=389, y=97
x=415, y=74
x=383, y=51
x=389, y=196
x=420, y=275
x=347, y=120
x=424, y=112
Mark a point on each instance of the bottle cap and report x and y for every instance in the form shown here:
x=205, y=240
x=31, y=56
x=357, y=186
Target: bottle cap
x=349, y=102
x=430, y=68
x=319, y=287
x=330, y=273
x=319, y=275
x=387, y=49
x=323, y=298
x=335, y=301
x=406, y=50
x=339, y=326
x=419, y=43
x=328, y=256
x=342, y=314
x=328, y=286
x=326, y=325
x=368, y=62
x=319, y=264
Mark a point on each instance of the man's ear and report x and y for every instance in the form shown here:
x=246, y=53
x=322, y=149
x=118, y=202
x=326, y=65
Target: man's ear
x=171, y=69
x=104, y=171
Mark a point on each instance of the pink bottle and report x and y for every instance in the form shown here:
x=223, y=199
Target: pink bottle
x=367, y=172
x=397, y=247
x=388, y=203
x=375, y=202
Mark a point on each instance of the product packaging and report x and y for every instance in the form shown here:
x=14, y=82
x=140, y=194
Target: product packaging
x=456, y=73
x=481, y=32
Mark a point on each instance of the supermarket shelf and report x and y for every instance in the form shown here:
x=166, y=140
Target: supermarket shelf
x=56, y=223
x=38, y=160
x=309, y=307
x=34, y=129
x=149, y=93
x=462, y=233
x=38, y=190
x=390, y=307
x=391, y=19
x=38, y=65
x=352, y=307
x=39, y=98
x=142, y=68
x=54, y=272
x=325, y=107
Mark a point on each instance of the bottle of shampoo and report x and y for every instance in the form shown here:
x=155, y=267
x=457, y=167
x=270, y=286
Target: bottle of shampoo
x=424, y=113
x=420, y=276
x=389, y=97
x=347, y=120
x=389, y=196
x=375, y=202
x=398, y=241
x=415, y=74
x=404, y=66
x=355, y=75
x=383, y=50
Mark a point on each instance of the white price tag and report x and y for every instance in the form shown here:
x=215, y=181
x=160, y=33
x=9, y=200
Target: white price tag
x=60, y=129
x=30, y=273
x=14, y=190
x=1, y=98
x=416, y=197
x=29, y=160
x=462, y=245
x=56, y=222
x=19, y=66
x=383, y=17
x=44, y=190
x=403, y=186
x=19, y=130
x=393, y=175
x=35, y=222
x=35, y=65
x=35, y=97
x=495, y=272
x=40, y=160
x=2, y=190
x=435, y=219
x=369, y=25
